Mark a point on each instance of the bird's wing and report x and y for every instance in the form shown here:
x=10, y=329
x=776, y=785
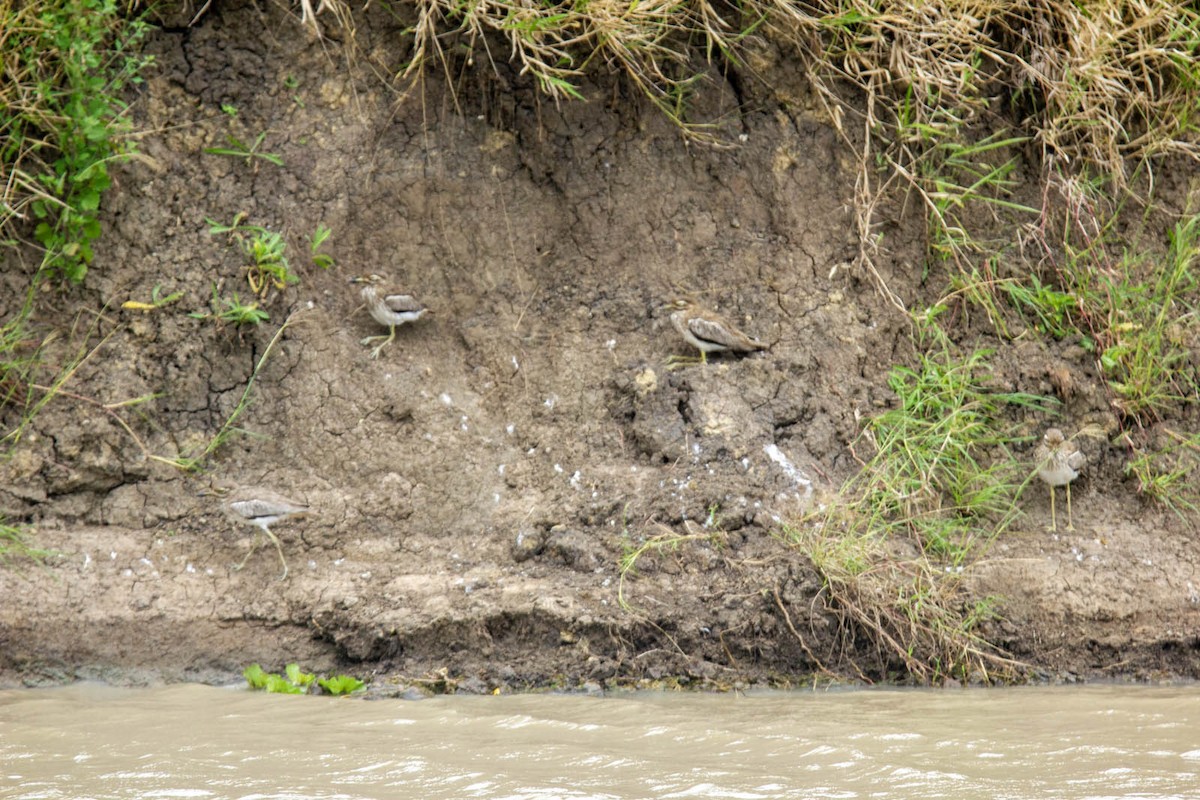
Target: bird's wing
x=1076, y=460
x=722, y=333
x=401, y=303
x=255, y=507
x=711, y=331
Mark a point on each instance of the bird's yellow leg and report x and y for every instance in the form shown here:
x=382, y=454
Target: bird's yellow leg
x=1070, y=522
x=385, y=343
x=1053, y=521
x=279, y=549
x=253, y=547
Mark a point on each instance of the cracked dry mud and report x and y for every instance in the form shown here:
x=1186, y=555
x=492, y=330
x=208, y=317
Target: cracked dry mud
x=473, y=488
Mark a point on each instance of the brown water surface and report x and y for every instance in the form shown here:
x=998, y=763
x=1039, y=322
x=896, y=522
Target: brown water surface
x=201, y=742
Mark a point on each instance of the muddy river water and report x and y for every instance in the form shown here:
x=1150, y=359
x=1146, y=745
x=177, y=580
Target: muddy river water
x=202, y=742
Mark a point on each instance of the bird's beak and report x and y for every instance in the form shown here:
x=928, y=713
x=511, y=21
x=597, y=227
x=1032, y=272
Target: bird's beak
x=357, y=279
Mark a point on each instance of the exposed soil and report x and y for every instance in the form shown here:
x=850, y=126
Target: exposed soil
x=474, y=488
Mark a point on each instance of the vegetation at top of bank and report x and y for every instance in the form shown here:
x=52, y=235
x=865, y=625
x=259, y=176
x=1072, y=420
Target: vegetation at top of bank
x=1104, y=84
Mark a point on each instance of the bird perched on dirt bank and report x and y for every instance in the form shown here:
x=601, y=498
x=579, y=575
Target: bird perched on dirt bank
x=259, y=507
x=1059, y=461
x=389, y=307
x=709, y=332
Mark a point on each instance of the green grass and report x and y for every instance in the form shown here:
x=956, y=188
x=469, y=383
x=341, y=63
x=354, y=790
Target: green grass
x=16, y=546
x=62, y=120
x=249, y=153
x=941, y=470
x=664, y=541
x=1149, y=318
x=938, y=484
x=919, y=619
x=1170, y=473
x=18, y=361
x=1139, y=313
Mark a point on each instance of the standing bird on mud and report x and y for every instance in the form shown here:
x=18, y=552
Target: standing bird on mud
x=1059, y=461
x=258, y=507
x=708, y=332
x=388, y=307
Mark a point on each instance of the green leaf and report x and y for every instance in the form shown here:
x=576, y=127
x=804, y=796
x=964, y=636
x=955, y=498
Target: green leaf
x=277, y=684
x=341, y=684
x=255, y=676
x=297, y=677
x=89, y=200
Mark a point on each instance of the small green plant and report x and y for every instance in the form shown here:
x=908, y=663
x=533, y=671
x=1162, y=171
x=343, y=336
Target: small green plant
x=319, y=259
x=665, y=541
x=239, y=149
x=268, y=268
x=233, y=310
x=15, y=546
x=294, y=681
x=275, y=683
x=229, y=109
x=157, y=300
x=269, y=265
x=298, y=678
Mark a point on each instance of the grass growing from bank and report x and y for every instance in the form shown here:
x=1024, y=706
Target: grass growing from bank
x=66, y=64
x=62, y=120
x=16, y=546
x=938, y=484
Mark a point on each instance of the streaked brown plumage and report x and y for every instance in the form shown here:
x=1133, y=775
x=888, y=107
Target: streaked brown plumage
x=710, y=332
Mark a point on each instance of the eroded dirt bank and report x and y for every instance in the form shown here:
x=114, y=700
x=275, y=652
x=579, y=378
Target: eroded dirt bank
x=475, y=487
